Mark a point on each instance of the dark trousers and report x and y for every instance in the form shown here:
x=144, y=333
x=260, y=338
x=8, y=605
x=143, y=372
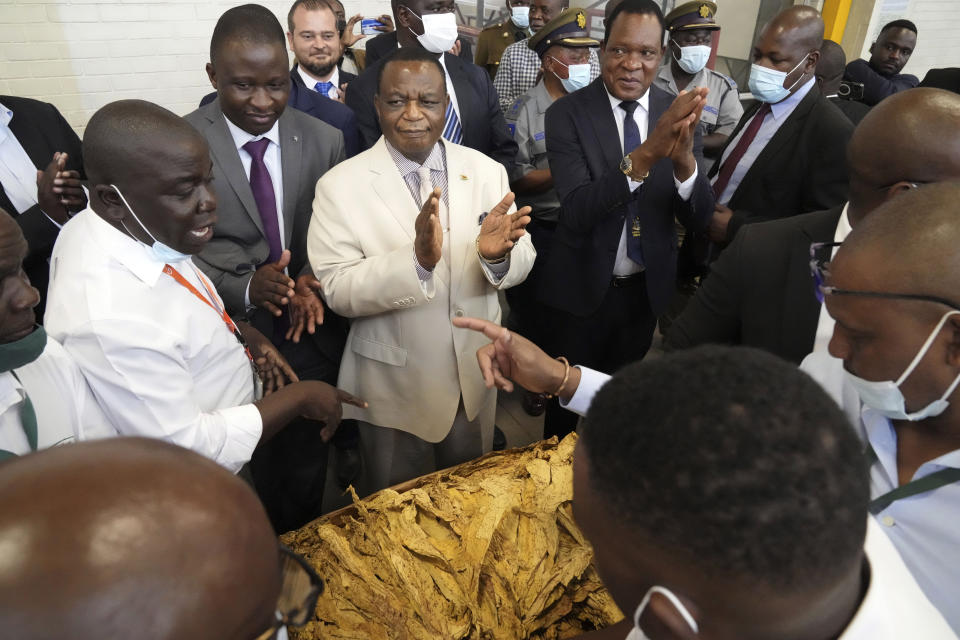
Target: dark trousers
x=526, y=311
x=289, y=471
x=617, y=333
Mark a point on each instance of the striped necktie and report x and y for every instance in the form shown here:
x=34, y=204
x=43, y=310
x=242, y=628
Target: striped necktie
x=452, y=130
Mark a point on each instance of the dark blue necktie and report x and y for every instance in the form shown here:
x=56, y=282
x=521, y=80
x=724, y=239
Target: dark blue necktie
x=323, y=88
x=632, y=140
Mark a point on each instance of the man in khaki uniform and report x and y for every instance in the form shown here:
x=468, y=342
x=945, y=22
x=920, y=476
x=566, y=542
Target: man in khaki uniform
x=691, y=26
x=494, y=39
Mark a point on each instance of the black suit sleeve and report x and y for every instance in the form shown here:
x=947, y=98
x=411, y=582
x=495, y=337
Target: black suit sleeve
x=503, y=148
x=713, y=314
x=360, y=99
x=585, y=199
x=695, y=213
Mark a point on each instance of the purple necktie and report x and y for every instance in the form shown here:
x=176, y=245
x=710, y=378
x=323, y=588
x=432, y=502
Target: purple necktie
x=264, y=195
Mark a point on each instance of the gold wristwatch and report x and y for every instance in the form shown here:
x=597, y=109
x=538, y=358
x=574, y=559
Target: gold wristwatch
x=626, y=166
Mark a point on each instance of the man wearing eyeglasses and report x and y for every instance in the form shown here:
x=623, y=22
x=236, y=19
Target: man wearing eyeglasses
x=758, y=293
x=148, y=555
x=893, y=291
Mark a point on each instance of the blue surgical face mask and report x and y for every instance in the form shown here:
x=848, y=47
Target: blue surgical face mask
x=578, y=76
x=160, y=251
x=520, y=17
x=766, y=85
x=637, y=633
x=885, y=396
x=693, y=58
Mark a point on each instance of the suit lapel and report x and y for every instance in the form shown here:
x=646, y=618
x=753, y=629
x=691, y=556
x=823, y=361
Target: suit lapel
x=224, y=151
x=461, y=182
x=467, y=99
x=291, y=150
x=600, y=116
x=715, y=169
x=392, y=190
x=784, y=135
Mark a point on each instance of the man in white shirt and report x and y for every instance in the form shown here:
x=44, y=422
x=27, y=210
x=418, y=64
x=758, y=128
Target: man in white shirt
x=731, y=515
x=893, y=293
x=147, y=329
x=44, y=399
x=136, y=538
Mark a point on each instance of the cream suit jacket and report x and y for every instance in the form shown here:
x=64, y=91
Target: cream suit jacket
x=403, y=355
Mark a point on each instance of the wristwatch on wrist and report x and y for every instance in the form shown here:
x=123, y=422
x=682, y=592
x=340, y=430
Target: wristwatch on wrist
x=626, y=166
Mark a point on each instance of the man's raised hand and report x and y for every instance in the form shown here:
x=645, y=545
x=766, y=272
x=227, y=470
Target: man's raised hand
x=306, y=307
x=428, y=243
x=501, y=230
x=270, y=287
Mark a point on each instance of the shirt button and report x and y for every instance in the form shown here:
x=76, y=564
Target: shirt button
x=888, y=521
x=459, y=313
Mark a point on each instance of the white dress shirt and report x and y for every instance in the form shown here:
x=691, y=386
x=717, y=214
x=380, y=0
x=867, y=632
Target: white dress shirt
x=311, y=82
x=779, y=112
x=161, y=362
x=623, y=265
x=18, y=175
x=450, y=90
x=66, y=409
x=825, y=322
x=922, y=527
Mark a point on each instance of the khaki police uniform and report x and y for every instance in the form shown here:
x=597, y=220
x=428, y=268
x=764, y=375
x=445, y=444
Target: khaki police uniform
x=493, y=40
x=723, y=109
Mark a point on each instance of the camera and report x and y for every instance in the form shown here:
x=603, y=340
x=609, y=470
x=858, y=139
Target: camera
x=850, y=90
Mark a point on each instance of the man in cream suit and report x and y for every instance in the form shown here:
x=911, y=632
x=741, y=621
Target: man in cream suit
x=402, y=276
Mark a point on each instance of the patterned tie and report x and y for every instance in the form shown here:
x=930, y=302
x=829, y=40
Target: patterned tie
x=632, y=140
x=452, y=130
x=723, y=177
x=323, y=88
x=264, y=195
x=28, y=420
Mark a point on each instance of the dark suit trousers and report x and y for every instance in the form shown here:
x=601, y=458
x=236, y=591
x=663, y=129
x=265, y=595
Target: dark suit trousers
x=617, y=333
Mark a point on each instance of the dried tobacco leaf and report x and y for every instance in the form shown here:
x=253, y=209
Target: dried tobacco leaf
x=486, y=550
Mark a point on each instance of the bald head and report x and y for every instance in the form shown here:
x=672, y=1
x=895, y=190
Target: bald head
x=910, y=137
x=122, y=134
x=799, y=26
x=908, y=244
x=830, y=66
x=132, y=538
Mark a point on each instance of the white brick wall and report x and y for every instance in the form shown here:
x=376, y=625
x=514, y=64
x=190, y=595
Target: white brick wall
x=82, y=54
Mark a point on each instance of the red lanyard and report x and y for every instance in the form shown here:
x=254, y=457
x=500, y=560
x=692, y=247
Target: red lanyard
x=210, y=302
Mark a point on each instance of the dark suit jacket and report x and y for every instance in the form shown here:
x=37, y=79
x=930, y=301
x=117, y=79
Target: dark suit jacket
x=851, y=108
x=308, y=149
x=802, y=168
x=876, y=87
x=484, y=128
x=321, y=107
x=583, y=148
x=384, y=44
x=41, y=131
x=760, y=292
x=947, y=78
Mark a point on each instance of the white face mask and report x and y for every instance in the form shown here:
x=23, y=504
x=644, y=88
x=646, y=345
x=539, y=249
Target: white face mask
x=766, y=85
x=693, y=58
x=578, y=76
x=160, y=251
x=520, y=16
x=439, y=31
x=637, y=633
x=885, y=396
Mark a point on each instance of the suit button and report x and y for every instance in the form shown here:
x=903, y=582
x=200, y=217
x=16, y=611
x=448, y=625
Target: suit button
x=459, y=313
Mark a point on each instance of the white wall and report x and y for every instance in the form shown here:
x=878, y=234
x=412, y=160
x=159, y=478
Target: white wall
x=937, y=43
x=737, y=19
x=82, y=54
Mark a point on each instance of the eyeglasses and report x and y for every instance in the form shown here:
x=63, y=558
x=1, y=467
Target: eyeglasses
x=298, y=595
x=820, y=255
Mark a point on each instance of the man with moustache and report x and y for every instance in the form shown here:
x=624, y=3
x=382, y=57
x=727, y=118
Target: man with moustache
x=315, y=41
x=880, y=76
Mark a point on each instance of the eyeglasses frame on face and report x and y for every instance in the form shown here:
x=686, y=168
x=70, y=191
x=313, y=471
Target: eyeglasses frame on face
x=821, y=289
x=309, y=604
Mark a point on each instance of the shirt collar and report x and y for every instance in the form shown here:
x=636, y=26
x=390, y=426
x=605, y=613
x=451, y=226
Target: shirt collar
x=310, y=82
x=436, y=161
x=786, y=106
x=843, y=226
x=666, y=73
x=615, y=102
x=6, y=115
x=543, y=97
x=241, y=137
x=133, y=255
x=882, y=437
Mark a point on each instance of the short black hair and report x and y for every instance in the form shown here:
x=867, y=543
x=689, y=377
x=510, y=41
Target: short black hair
x=832, y=63
x=900, y=24
x=249, y=23
x=735, y=460
x=636, y=7
x=411, y=54
x=309, y=5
